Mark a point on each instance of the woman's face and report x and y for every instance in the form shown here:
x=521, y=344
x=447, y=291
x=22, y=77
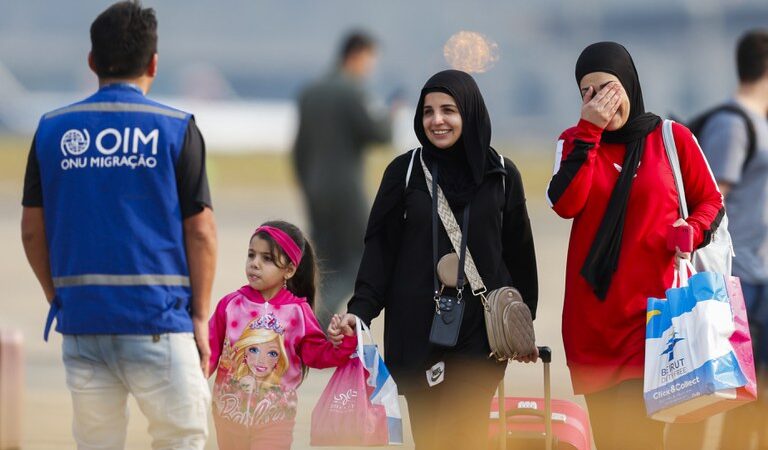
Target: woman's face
x=441, y=119
x=599, y=80
x=262, y=359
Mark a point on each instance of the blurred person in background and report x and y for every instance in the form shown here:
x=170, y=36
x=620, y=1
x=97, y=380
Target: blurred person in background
x=612, y=177
x=118, y=228
x=336, y=122
x=742, y=175
x=448, y=389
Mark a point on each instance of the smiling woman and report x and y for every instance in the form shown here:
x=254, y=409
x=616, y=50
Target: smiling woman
x=448, y=387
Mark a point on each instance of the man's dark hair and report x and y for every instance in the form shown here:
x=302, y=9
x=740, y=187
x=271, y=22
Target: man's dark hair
x=752, y=55
x=123, y=40
x=354, y=42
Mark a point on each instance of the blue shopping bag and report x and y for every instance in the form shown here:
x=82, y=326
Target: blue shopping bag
x=690, y=363
x=384, y=387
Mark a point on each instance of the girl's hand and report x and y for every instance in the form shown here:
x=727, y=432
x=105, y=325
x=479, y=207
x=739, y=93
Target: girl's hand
x=334, y=330
x=599, y=109
x=678, y=254
x=340, y=327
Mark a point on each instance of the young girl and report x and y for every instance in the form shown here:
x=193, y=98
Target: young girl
x=263, y=337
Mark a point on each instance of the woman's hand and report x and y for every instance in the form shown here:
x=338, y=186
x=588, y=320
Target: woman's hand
x=532, y=358
x=599, y=109
x=678, y=254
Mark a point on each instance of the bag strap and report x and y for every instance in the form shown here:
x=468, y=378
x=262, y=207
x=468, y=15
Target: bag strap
x=454, y=232
x=504, y=178
x=361, y=330
x=463, y=247
x=410, y=166
x=699, y=123
x=434, y=236
x=671, y=149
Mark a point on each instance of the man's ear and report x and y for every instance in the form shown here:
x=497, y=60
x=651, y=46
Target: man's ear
x=152, y=67
x=91, y=64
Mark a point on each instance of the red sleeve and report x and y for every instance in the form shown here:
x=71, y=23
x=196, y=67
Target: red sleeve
x=568, y=190
x=217, y=328
x=315, y=350
x=705, y=203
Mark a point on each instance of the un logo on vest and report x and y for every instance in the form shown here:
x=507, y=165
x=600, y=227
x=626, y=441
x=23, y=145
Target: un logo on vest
x=75, y=142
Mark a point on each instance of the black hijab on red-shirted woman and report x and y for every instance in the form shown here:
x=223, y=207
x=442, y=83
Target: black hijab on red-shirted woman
x=603, y=256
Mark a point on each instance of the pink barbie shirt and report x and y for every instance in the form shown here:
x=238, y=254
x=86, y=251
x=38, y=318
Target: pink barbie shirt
x=260, y=349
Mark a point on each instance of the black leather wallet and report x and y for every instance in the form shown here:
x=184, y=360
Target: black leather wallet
x=446, y=322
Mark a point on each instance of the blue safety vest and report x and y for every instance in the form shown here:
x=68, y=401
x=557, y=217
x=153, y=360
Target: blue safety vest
x=112, y=215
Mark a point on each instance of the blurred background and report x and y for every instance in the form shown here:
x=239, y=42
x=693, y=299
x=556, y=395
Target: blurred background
x=239, y=65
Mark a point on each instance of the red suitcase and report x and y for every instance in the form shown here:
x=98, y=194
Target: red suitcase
x=11, y=388
x=539, y=423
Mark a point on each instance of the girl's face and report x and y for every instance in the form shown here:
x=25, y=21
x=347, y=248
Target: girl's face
x=263, y=273
x=441, y=119
x=599, y=80
x=262, y=359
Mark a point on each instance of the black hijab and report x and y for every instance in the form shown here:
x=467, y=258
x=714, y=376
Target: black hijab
x=462, y=166
x=603, y=256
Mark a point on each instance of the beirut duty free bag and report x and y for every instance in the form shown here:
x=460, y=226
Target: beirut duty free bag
x=698, y=352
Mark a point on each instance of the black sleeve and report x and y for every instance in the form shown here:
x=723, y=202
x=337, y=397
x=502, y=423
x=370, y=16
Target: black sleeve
x=517, y=240
x=33, y=189
x=382, y=239
x=191, y=176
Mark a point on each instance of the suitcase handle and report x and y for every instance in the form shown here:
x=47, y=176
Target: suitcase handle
x=545, y=355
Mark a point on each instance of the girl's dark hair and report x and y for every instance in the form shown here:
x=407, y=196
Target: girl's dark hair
x=304, y=282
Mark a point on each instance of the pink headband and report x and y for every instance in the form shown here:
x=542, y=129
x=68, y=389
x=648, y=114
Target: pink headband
x=284, y=241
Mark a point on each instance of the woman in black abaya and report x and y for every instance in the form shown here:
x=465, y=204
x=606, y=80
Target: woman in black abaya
x=448, y=389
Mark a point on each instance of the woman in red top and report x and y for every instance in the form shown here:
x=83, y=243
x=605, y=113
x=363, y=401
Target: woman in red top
x=613, y=178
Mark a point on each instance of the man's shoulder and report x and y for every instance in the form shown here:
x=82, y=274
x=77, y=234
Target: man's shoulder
x=66, y=108
x=725, y=118
x=166, y=107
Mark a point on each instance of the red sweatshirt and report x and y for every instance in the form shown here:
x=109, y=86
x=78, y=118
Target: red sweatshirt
x=604, y=340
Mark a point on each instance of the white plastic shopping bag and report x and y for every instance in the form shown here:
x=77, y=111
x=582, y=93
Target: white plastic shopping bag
x=384, y=387
x=690, y=363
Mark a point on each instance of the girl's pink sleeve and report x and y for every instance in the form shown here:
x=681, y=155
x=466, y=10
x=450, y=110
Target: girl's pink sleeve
x=315, y=350
x=217, y=328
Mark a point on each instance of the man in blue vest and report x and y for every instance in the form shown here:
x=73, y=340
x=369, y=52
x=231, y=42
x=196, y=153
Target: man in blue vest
x=118, y=228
